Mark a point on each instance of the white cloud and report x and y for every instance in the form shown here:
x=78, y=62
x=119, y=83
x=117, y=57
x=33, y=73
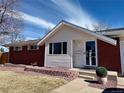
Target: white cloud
x=37, y=21
x=2, y=37
x=31, y=34
x=75, y=13
x=30, y=38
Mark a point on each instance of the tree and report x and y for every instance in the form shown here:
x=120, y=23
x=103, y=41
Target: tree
x=10, y=20
x=2, y=50
x=15, y=37
x=100, y=26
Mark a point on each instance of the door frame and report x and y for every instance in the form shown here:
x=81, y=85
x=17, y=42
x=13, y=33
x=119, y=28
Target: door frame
x=95, y=51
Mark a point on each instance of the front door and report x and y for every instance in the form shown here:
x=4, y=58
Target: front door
x=90, y=53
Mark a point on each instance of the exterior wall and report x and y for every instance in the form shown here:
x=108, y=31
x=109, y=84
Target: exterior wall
x=27, y=56
x=122, y=54
x=109, y=55
x=67, y=34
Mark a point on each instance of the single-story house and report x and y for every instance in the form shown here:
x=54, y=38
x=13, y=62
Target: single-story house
x=71, y=46
x=26, y=52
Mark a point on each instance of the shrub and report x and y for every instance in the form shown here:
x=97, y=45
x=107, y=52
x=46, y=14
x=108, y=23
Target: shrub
x=101, y=72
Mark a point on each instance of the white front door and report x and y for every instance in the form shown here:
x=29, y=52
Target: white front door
x=78, y=57
x=90, y=48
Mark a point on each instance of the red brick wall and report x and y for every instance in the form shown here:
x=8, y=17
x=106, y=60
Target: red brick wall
x=109, y=55
x=27, y=56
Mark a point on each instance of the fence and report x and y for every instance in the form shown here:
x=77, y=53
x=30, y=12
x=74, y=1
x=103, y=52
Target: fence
x=3, y=57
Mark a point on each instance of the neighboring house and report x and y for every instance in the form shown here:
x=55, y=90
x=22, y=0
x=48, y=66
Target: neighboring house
x=71, y=46
x=26, y=52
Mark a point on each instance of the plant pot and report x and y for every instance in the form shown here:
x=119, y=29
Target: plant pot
x=102, y=80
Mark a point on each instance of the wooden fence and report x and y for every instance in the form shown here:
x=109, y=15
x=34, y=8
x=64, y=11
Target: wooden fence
x=4, y=57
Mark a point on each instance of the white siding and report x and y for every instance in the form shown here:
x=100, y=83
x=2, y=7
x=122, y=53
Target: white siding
x=65, y=60
x=122, y=55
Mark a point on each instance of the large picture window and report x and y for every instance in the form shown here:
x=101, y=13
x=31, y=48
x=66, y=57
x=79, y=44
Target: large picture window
x=58, y=48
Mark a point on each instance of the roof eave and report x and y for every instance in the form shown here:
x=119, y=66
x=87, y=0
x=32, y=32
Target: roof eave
x=21, y=43
x=47, y=35
x=99, y=36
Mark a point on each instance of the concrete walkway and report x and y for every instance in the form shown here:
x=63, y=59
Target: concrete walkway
x=120, y=82
x=77, y=86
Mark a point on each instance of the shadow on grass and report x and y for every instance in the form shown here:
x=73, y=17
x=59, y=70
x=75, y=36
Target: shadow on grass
x=113, y=90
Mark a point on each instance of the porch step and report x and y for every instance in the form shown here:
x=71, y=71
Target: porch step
x=91, y=73
x=112, y=75
x=86, y=77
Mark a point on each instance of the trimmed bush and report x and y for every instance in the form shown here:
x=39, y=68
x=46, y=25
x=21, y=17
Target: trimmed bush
x=101, y=72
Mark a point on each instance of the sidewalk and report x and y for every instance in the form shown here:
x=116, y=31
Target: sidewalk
x=76, y=86
x=120, y=82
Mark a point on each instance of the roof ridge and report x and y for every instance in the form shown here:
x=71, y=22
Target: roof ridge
x=112, y=29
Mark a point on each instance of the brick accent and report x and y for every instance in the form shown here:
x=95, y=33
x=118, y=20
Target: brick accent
x=27, y=56
x=62, y=72
x=109, y=55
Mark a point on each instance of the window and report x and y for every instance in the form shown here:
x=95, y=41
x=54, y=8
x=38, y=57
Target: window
x=50, y=48
x=34, y=47
x=58, y=48
x=64, y=47
x=17, y=48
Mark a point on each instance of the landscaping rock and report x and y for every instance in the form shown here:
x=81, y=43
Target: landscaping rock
x=63, y=72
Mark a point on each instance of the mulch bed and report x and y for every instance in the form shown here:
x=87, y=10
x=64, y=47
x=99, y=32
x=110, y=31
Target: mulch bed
x=53, y=71
x=21, y=71
x=95, y=84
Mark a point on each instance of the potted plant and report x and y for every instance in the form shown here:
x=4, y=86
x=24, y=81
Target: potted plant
x=101, y=73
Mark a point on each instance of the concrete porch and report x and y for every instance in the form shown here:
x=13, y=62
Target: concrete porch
x=91, y=74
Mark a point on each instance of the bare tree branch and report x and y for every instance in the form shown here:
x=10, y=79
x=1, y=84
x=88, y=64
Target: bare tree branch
x=101, y=26
x=11, y=22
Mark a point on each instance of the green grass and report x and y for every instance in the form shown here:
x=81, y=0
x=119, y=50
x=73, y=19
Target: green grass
x=11, y=82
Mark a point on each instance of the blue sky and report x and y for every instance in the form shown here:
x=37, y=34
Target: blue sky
x=42, y=15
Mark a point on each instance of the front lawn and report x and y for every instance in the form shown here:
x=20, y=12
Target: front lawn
x=11, y=82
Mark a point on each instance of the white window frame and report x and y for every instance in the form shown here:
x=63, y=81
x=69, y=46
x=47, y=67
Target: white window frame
x=20, y=48
x=96, y=53
x=53, y=49
x=29, y=47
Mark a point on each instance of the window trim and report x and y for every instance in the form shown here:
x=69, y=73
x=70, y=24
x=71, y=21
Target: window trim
x=61, y=48
x=17, y=50
x=29, y=47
